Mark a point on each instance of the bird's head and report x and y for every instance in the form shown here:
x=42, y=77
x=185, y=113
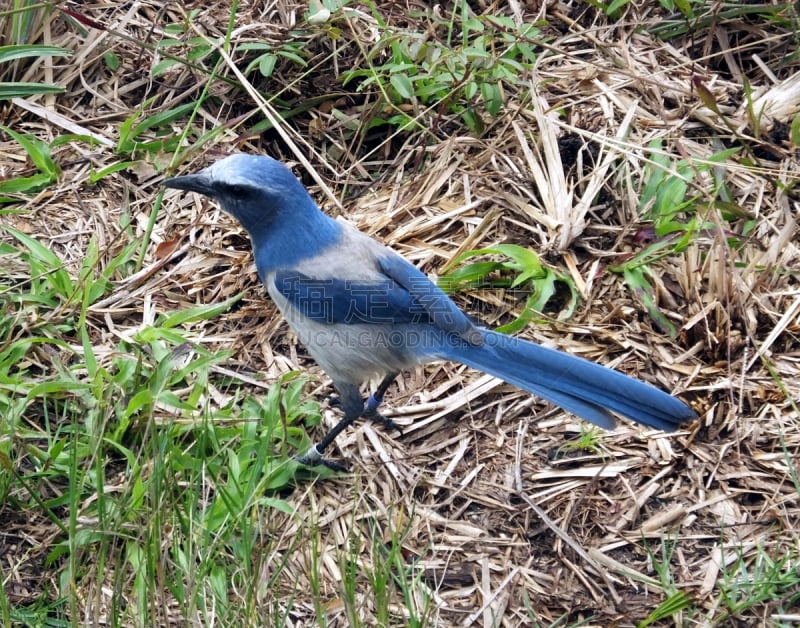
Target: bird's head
x=254, y=189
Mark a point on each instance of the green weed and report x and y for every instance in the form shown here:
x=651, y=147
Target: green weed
x=589, y=440
x=462, y=73
x=389, y=575
x=19, y=89
x=270, y=54
x=151, y=134
x=769, y=578
x=678, y=209
x=698, y=15
x=518, y=269
x=676, y=600
x=125, y=453
x=41, y=155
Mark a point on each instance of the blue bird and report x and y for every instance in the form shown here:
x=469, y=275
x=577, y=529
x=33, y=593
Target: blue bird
x=363, y=311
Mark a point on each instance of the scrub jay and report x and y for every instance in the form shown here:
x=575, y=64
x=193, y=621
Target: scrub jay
x=363, y=311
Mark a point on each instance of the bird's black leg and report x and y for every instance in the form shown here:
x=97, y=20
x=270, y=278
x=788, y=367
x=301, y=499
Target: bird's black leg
x=354, y=407
x=374, y=401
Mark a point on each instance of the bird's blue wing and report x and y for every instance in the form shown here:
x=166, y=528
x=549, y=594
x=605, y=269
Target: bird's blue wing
x=441, y=310
x=403, y=294
x=345, y=301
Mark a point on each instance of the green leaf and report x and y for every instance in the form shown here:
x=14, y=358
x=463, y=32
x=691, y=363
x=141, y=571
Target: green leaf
x=476, y=51
x=433, y=89
x=37, y=250
x=162, y=118
x=162, y=66
x=65, y=139
x=525, y=259
x=706, y=95
x=142, y=399
x=473, y=121
x=111, y=60
x=171, y=399
x=198, y=313
x=266, y=65
x=255, y=46
x=168, y=42
x=467, y=276
x=404, y=122
x=528, y=261
x=655, y=172
x=97, y=175
x=492, y=97
x=723, y=155
x=21, y=51
x=685, y=7
x=645, y=293
x=526, y=52
x=88, y=353
x=501, y=21
x=527, y=270
x=675, y=603
x=279, y=504
x=292, y=56
x=58, y=388
x=45, y=264
x=509, y=68
x=795, y=130
x=402, y=85
x=37, y=150
x=199, y=52
x=473, y=24
x=671, y=195
x=24, y=185
x=23, y=90
x=615, y=6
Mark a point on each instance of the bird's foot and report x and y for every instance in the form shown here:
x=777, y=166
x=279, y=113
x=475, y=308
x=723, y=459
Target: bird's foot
x=371, y=412
x=385, y=421
x=314, y=458
x=334, y=401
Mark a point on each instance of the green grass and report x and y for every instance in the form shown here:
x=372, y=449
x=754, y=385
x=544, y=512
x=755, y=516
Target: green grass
x=19, y=89
x=677, y=600
x=517, y=270
x=770, y=577
x=677, y=206
x=154, y=491
x=162, y=503
x=463, y=73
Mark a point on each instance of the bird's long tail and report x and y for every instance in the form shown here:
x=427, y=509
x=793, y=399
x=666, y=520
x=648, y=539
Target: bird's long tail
x=589, y=390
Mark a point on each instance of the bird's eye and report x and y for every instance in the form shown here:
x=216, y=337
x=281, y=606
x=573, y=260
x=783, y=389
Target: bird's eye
x=238, y=191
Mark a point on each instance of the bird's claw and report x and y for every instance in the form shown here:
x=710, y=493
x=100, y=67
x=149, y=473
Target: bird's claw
x=385, y=421
x=333, y=400
x=313, y=458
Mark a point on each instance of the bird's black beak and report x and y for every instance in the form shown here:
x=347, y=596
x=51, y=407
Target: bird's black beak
x=200, y=183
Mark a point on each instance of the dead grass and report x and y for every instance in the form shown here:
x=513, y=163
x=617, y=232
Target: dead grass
x=560, y=170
